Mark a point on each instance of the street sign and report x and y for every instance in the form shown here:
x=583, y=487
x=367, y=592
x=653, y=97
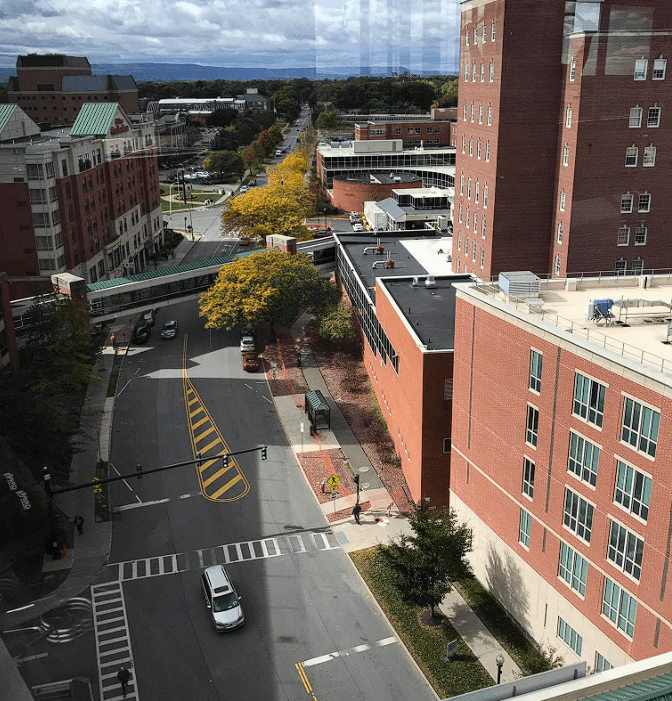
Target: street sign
x=450, y=650
x=333, y=481
x=334, y=493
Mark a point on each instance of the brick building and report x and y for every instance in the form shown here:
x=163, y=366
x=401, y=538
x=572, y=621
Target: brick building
x=83, y=199
x=52, y=88
x=426, y=130
x=563, y=137
x=561, y=450
x=350, y=193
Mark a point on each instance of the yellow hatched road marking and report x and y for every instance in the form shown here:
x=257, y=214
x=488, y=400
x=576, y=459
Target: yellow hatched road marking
x=205, y=433
x=196, y=411
x=227, y=486
x=199, y=423
x=211, y=445
x=193, y=401
x=207, y=464
x=217, y=474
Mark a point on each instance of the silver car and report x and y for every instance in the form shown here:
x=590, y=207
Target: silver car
x=221, y=599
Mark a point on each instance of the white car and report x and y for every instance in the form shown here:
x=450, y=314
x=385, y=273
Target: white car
x=358, y=227
x=244, y=189
x=246, y=344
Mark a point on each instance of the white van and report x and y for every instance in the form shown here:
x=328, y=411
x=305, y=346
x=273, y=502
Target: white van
x=278, y=152
x=222, y=600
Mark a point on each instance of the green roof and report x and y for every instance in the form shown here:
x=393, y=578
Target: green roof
x=647, y=690
x=6, y=111
x=94, y=118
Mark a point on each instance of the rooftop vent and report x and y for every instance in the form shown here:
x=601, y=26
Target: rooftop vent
x=430, y=281
x=416, y=281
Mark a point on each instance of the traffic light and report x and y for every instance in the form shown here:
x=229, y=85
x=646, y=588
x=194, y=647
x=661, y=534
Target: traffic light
x=225, y=460
x=263, y=453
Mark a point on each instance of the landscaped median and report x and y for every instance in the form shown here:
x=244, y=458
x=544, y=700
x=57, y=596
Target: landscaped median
x=425, y=641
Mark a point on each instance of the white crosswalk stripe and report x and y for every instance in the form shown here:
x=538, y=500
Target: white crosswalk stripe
x=113, y=643
x=222, y=555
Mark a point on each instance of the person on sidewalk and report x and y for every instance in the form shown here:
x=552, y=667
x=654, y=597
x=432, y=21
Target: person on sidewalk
x=113, y=339
x=123, y=675
x=356, y=510
x=79, y=522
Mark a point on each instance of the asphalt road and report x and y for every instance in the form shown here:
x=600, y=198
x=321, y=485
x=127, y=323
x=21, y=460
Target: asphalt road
x=302, y=598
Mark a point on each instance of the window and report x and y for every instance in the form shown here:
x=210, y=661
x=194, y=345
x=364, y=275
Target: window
x=570, y=636
x=464, y=142
x=482, y=234
x=532, y=426
x=631, y=156
x=558, y=265
x=659, y=66
x=466, y=38
x=640, y=235
x=477, y=189
x=641, y=66
x=525, y=528
x=487, y=151
x=589, y=399
x=653, y=118
x=460, y=215
x=640, y=426
x=583, y=458
x=562, y=201
x=601, y=665
x=473, y=72
x=473, y=245
x=633, y=490
x=644, y=203
x=466, y=70
x=559, y=233
x=482, y=72
x=568, y=118
x=536, y=362
x=572, y=71
x=565, y=155
x=482, y=256
x=578, y=515
x=619, y=607
x=489, y=115
x=469, y=188
x=492, y=71
x=625, y=550
x=623, y=238
x=649, y=159
x=478, y=150
x=635, y=121
x=485, y=196
x=528, y=477
x=485, y=33
x=492, y=35
x=461, y=184
x=475, y=230
x=620, y=267
x=471, y=147
x=475, y=35
x=573, y=568
x=626, y=203
x=466, y=242
x=480, y=114
x=464, y=112
x=472, y=113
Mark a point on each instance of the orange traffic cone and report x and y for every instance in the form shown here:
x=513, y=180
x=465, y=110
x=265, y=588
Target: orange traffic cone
x=65, y=551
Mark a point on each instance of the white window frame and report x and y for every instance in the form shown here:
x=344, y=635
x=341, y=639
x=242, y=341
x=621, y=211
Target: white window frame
x=489, y=115
x=589, y=399
x=637, y=267
x=583, y=458
x=474, y=73
x=532, y=426
x=649, y=157
x=466, y=71
x=659, y=69
x=653, y=117
x=475, y=36
x=573, y=569
x=635, y=118
x=631, y=156
x=627, y=202
x=475, y=230
x=625, y=550
x=461, y=185
x=525, y=529
x=632, y=490
x=572, y=70
x=619, y=607
x=579, y=519
x=644, y=202
x=528, y=478
x=568, y=117
x=641, y=68
x=623, y=236
x=464, y=112
x=485, y=33
x=459, y=218
x=471, y=147
x=558, y=265
x=620, y=267
x=469, y=189
x=536, y=370
x=560, y=232
x=565, y=155
x=492, y=35
x=482, y=72
x=562, y=201
x=483, y=227
x=642, y=429
x=477, y=191
x=492, y=71
x=480, y=114
x=641, y=234
x=464, y=144
x=487, y=152
x=478, y=150
x=473, y=112
x=485, y=196
x=569, y=636
x=482, y=256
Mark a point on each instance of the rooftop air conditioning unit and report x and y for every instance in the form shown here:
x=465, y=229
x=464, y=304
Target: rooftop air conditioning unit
x=416, y=281
x=430, y=281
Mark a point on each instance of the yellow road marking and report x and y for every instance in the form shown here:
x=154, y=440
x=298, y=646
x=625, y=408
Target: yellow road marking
x=211, y=445
x=192, y=401
x=199, y=423
x=304, y=679
x=205, y=433
x=217, y=474
x=204, y=466
x=196, y=411
x=229, y=484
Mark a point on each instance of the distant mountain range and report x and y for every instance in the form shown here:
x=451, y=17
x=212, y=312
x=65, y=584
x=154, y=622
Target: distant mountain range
x=194, y=71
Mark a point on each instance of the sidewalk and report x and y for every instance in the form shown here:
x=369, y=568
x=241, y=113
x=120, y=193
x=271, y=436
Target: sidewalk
x=378, y=523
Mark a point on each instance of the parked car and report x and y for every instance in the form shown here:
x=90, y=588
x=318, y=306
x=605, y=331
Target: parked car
x=148, y=317
x=278, y=153
x=221, y=599
x=244, y=189
x=250, y=362
x=357, y=228
x=246, y=344
x=169, y=329
x=141, y=333
x=355, y=217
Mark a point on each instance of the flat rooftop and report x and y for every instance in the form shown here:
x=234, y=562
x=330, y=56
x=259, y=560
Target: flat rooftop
x=636, y=333
x=429, y=311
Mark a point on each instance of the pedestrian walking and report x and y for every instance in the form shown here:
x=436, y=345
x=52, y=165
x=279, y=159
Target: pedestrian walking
x=79, y=522
x=356, y=510
x=113, y=339
x=123, y=675
x=298, y=359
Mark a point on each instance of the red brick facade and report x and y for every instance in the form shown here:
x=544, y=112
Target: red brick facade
x=491, y=398
x=350, y=195
x=429, y=133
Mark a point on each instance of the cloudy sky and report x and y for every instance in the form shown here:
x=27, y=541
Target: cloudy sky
x=418, y=34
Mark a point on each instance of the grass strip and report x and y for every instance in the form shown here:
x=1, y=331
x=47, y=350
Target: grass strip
x=426, y=644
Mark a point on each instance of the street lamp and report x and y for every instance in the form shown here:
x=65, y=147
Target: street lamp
x=500, y=663
x=356, y=478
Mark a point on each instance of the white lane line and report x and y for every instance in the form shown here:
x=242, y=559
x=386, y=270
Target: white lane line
x=267, y=399
x=123, y=388
x=186, y=496
x=350, y=651
x=128, y=507
x=32, y=657
x=125, y=482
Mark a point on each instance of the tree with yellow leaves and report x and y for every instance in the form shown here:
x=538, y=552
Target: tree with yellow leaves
x=268, y=286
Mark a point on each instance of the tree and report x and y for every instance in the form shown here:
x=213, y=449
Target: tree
x=425, y=563
x=224, y=162
x=221, y=118
x=226, y=140
x=269, y=286
x=328, y=120
x=335, y=323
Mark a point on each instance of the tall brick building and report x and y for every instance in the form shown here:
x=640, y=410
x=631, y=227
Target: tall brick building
x=564, y=141
x=83, y=199
x=52, y=88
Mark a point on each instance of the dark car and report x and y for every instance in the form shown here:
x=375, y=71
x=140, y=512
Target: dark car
x=148, y=317
x=141, y=333
x=169, y=329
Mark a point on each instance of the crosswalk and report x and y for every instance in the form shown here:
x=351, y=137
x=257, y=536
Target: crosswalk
x=161, y=565
x=113, y=643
